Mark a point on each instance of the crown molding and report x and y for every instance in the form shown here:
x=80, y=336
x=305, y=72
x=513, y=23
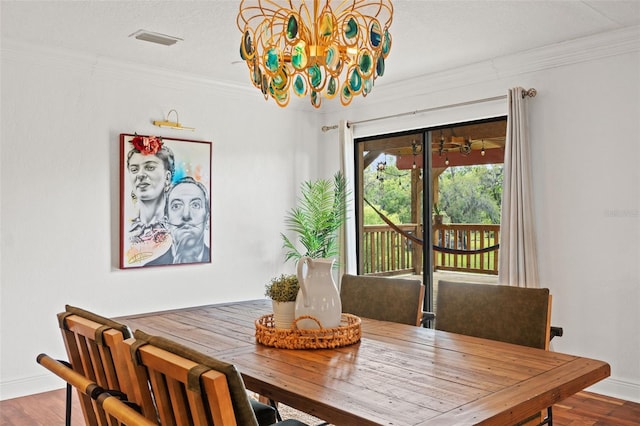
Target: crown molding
x=604, y=45
x=612, y=43
x=98, y=66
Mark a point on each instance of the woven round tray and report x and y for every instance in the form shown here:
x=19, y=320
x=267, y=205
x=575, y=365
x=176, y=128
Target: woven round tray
x=347, y=333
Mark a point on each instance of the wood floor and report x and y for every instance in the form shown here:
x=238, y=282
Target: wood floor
x=582, y=409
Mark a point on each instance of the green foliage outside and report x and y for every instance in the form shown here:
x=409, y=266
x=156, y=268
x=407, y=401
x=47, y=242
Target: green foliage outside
x=472, y=194
x=391, y=194
x=468, y=194
x=373, y=218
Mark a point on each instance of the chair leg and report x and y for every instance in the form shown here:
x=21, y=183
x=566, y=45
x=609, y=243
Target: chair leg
x=274, y=404
x=549, y=419
x=549, y=416
x=67, y=414
x=67, y=408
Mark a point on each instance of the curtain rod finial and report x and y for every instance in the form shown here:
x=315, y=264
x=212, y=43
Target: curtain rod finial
x=530, y=93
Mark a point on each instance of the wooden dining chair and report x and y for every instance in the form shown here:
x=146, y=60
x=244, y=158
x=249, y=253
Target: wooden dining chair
x=94, y=345
x=498, y=312
x=190, y=388
x=111, y=410
x=381, y=298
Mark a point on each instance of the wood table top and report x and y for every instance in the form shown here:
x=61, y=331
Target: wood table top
x=396, y=375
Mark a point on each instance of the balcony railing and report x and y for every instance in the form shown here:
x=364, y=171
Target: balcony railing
x=471, y=248
x=387, y=252
x=457, y=247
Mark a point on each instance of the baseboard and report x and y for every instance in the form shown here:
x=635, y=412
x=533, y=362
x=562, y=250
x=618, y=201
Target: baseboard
x=28, y=386
x=617, y=389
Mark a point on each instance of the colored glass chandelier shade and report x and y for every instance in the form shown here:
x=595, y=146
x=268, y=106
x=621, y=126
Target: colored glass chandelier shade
x=334, y=48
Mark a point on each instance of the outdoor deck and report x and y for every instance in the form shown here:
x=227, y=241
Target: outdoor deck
x=471, y=248
x=464, y=277
x=398, y=253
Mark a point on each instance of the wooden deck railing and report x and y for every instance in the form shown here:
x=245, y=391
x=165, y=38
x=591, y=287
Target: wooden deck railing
x=466, y=238
x=387, y=252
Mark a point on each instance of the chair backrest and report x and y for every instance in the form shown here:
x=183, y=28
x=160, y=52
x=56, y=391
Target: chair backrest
x=112, y=411
x=497, y=312
x=189, y=387
x=95, y=349
x=388, y=299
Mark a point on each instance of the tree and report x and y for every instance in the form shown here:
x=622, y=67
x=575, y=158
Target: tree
x=389, y=191
x=472, y=194
x=468, y=194
x=373, y=218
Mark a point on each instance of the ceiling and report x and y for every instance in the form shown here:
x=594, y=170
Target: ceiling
x=459, y=145
x=428, y=36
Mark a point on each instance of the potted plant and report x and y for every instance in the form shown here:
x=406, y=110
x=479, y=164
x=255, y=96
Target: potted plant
x=437, y=215
x=317, y=218
x=282, y=291
x=320, y=213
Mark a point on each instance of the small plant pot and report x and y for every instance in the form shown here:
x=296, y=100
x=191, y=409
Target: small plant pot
x=283, y=313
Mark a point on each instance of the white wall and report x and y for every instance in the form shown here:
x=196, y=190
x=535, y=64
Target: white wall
x=61, y=116
x=584, y=129
x=61, y=119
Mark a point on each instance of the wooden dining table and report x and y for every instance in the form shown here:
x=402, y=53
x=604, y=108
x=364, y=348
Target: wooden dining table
x=395, y=375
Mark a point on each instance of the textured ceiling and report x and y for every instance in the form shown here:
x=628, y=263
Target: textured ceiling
x=428, y=36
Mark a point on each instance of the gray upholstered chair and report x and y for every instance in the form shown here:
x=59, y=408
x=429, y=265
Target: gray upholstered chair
x=508, y=314
x=388, y=299
x=189, y=387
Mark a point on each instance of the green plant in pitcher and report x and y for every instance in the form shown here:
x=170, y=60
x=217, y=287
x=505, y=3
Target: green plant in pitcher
x=320, y=213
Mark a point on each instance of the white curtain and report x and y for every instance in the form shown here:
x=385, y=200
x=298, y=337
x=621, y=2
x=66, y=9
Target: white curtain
x=518, y=263
x=348, y=263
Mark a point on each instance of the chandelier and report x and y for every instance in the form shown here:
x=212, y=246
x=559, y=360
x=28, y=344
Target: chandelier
x=334, y=49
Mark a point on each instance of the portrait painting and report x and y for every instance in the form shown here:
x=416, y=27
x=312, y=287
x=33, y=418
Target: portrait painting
x=165, y=201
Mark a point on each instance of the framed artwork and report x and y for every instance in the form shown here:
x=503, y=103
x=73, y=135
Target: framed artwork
x=165, y=201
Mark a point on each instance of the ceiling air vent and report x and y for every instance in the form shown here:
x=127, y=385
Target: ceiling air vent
x=158, y=38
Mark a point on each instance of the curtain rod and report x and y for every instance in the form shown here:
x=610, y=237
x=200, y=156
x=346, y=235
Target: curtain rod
x=530, y=93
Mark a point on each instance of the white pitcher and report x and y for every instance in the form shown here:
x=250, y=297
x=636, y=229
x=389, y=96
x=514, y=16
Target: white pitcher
x=318, y=295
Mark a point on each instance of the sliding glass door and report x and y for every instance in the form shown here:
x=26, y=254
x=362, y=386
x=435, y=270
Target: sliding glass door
x=429, y=200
